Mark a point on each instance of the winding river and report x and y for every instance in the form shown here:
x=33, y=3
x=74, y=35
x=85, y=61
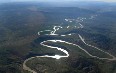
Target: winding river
x=53, y=33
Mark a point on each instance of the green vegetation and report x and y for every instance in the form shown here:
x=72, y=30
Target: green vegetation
x=20, y=23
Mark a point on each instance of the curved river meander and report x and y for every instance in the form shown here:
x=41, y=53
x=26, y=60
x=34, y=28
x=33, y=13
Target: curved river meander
x=53, y=33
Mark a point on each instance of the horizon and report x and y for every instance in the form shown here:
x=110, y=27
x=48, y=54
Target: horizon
x=9, y=1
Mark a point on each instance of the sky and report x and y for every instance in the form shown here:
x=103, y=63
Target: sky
x=3, y=1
